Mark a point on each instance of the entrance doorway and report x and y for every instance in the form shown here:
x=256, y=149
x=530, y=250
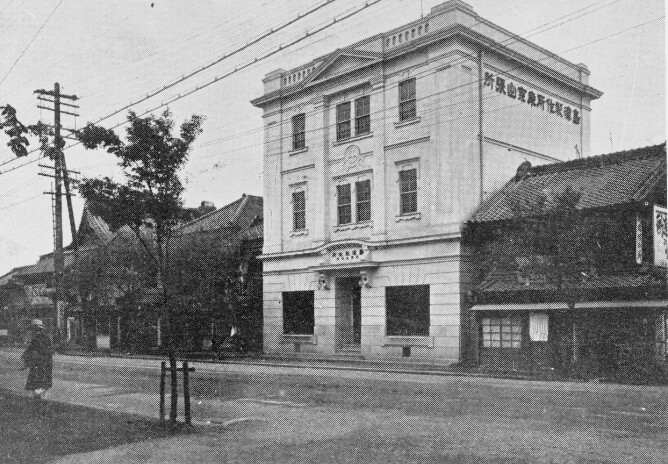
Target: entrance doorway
x=348, y=311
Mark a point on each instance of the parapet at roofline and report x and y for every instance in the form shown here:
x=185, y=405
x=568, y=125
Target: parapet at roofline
x=467, y=34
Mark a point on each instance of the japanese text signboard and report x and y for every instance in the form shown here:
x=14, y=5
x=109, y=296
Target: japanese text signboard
x=532, y=98
x=660, y=229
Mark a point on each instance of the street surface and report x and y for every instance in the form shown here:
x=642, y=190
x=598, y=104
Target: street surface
x=249, y=413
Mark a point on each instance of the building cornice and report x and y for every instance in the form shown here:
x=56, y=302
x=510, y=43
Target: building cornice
x=448, y=236
x=454, y=31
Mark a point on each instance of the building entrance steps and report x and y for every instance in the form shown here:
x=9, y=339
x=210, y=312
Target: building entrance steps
x=350, y=349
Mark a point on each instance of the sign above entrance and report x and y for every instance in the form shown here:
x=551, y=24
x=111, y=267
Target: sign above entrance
x=531, y=97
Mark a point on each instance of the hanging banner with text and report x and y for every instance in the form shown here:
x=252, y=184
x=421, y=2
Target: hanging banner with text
x=660, y=229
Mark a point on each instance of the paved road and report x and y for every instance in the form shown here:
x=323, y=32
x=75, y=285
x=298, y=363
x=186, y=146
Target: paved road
x=279, y=414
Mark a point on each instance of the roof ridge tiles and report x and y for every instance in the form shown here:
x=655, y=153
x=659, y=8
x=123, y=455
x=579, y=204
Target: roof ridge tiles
x=601, y=160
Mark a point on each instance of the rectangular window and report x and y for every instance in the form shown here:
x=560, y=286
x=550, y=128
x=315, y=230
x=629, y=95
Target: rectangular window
x=298, y=131
x=343, y=201
x=502, y=332
x=363, y=200
x=407, y=109
x=408, y=191
x=343, y=121
x=298, y=317
x=407, y=310
x=362, y=116
x=298, y=210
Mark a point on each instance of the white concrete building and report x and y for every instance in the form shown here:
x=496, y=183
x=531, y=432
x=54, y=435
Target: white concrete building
x=376, y=154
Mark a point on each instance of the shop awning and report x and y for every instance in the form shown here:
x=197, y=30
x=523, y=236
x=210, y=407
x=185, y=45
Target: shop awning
x=563, y=306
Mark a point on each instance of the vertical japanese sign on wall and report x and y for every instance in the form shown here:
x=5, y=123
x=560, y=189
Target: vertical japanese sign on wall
x=638, y=238
x=660, y=229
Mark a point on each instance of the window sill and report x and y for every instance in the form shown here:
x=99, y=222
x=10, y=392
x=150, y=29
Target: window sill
x=298, y=338
x=407, y=122
x=409, y=340
x=297, y=151
x=296, y=233
x=408, y=217
x=352, y=139
x=354, y=225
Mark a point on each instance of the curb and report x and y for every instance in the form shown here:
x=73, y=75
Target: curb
x=326, y=364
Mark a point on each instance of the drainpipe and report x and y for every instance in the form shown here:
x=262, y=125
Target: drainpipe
x=480, y=126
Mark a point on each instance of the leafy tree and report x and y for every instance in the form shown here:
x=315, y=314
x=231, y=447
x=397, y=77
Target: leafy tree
x=85, y=285
x=205, y=271
x=149, y=199
x=18, y=134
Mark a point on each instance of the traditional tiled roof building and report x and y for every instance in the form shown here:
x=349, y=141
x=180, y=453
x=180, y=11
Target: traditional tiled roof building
x=570, y=260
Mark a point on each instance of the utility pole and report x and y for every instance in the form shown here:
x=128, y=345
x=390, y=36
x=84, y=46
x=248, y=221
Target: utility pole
x=56, y=154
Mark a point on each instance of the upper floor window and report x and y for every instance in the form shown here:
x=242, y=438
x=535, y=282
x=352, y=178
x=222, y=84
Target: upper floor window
x=407, y=108
x=362, y=116
x=408, y=191
x=344, y=204
x=363, y=200
x=343, y=121
x=298, y=210
x=344, y=129
x=299, y=131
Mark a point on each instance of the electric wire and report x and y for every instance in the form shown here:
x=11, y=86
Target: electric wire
x=11, y=68
x=200, y=87
x=513, y=37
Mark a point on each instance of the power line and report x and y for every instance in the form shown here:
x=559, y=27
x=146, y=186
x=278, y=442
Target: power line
x=223, y=57
x=30, y=43
x=157, y=54
x=20, y=202
x=514, y=38
x=239, y=68
x=455, y=62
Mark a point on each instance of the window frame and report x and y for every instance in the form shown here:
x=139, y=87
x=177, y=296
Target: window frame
x=405, y=193
x=363, y=118
x=341, y=123
x=365, y=201
x=344, y=206
x=402, y=301
x=296, y=320
x=300, y=212
x=407, y=100
x=299, y=133
x=509, y=339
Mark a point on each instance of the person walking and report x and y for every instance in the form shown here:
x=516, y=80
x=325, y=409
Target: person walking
x=38, y=358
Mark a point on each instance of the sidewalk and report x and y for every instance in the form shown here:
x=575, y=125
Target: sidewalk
x=339, y=362
x=127, y=400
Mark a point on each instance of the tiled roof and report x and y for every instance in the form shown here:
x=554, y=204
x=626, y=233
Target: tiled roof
x=5, y=279
x=611, y=282
x=43, y=266
x=240, y=213
x=615, y=179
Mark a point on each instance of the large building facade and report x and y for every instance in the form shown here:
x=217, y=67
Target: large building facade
x=376, y=154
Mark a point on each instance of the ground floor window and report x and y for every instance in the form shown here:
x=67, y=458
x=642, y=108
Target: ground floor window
x=407, y=310
x=298, y=315
x=502, y=332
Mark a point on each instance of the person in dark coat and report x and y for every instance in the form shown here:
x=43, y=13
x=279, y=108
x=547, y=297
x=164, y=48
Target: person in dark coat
x=38, y=358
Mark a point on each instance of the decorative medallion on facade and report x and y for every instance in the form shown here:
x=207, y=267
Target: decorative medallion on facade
x=531, y=97
x=352, y=158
